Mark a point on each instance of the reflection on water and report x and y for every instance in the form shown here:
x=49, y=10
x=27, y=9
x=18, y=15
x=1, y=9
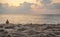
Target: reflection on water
x=23, y=19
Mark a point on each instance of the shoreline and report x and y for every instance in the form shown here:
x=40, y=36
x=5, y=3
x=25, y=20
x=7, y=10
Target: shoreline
x=30, y=30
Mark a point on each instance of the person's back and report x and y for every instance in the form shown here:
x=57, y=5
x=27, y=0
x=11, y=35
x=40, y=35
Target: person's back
x=8, y=36
x=7, y=22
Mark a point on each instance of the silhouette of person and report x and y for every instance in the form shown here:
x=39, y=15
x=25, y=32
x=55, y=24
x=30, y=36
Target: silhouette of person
x=8, y=36
x=7, y=22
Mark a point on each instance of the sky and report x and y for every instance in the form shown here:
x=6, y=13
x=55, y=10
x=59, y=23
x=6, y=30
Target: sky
x=30, y=6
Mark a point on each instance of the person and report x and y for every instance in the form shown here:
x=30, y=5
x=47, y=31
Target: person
x=8, y=36
x=7, y=22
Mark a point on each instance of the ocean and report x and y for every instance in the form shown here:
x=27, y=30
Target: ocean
x=27, y=19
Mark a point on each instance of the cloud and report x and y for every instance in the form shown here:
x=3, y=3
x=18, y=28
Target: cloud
x=54, y=6
x=24, y=8
x=4, y=9
x=36, y=9
x=50, y=9
x=56, y=1
x=1, y=8
x=31, y=8
x=46, y=1
x=47, y=9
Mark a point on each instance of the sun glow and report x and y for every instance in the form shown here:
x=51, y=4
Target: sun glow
x=17, y=2
x=14, y=2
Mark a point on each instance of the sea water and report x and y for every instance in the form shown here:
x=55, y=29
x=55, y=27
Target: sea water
x=34, y=19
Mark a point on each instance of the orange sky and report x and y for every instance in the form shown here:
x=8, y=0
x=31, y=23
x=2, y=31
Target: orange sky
x=40, y=8
x=56, y=1
x=17, y=2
